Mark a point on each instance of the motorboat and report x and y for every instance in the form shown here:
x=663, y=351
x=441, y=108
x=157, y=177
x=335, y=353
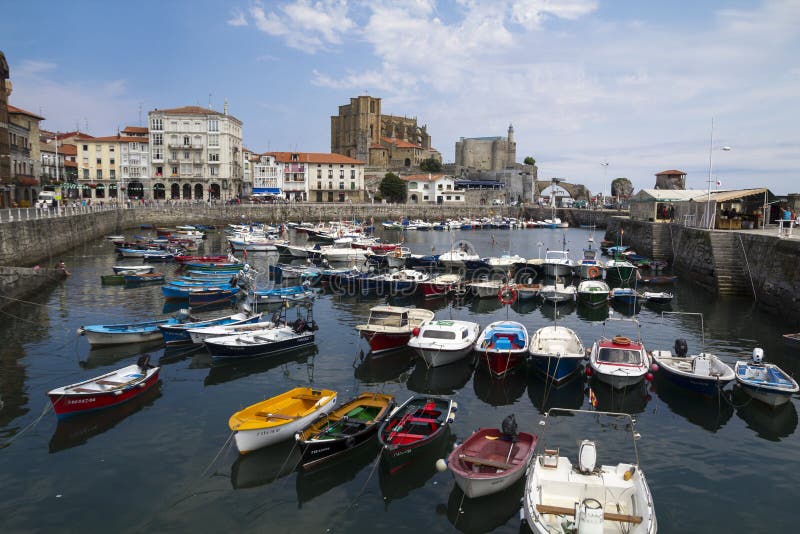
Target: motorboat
x=486, y=288
x=557, y=352
x=661, y=297
x=444, y=341
x=133, y=269
x=593, y=292
x=584, y=497
x=527, y=291
x=503, y=263
x=335, y=433
x=558, y=292
x=621, y=272
x=344, y=255
x=590, y=267
x=405, y=280
x=625, y=295
x=278, y=418
x=271, y=340
x=557, y=263
x=503, y=346
x=440, y=285
x=765, y=381
x=175, y=334
x=390, y=327
x=491, y=460
x=619, y=361
x=199, y=334
x=704, y=373
x=104, y=391
x=397, y=257
x=455, y=258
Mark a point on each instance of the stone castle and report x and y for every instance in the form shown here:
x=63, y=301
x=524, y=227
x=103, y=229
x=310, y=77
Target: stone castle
x=487, y=153
x=362, y=132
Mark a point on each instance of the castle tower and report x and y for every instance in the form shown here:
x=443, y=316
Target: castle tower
x=511, y=150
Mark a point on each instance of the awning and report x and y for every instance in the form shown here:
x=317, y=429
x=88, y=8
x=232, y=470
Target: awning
x=266, y=191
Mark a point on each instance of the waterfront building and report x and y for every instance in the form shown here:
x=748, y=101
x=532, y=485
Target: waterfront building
x=53, y=166
x=487, y=153
x=672, y=179
x=248, y=160
x=433, y=189
x=23, y=132
x=321, y=177
x=5, y=146
x=196, y=153
x=362, y=132
x=267, y=176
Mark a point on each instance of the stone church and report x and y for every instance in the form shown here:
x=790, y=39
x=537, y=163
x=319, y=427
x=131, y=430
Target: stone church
x=362, y=132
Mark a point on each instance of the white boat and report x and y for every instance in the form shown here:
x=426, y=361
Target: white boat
x=200, y=334
x=704, y=373
x=261, y=342
x=593, y=292
x=454, y=259
x=590, y=267
x=527, y=291
x=487, y=288
x=557, y=352
x=661, y=297
x=765, y=381
x=443, y=342
x=558, y=292
x=133, y=269
x=398, y=257
x=557, y=263
x=504, y=263
x=344, y=254
x=619, y=361
x=562, y=497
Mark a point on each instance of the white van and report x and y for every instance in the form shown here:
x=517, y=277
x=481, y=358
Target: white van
x=45, y=199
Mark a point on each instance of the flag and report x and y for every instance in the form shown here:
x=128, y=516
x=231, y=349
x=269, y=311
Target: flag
x=592, y=398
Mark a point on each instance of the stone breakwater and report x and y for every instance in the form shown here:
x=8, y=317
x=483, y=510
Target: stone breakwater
x=725, y=262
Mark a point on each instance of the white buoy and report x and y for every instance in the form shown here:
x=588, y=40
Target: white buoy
x=441, y=465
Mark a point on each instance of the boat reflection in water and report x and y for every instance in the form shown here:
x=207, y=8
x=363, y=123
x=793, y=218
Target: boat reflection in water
x=444, y=380
x=484, y=514
x=593, y=313
x=336, y=471
x=226, y=371
x=108, y=355
x=397, y=485
x=546, y=394
x=773, y=424
x=627, y=309
x=77, y=430
x=265, y=466
x=484, y=306
x=630, y=400
x=711, y=413
x=526, y=306
x=549, y=310
x=500, y=391
x=389, y=366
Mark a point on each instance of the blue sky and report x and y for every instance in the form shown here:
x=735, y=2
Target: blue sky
x=632, y=83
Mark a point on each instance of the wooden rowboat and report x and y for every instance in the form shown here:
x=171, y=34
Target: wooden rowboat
x=278, y=418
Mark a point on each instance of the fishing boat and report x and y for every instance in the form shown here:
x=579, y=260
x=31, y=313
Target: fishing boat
x=625, y=295
x=185, y=258
x=491, y=460
x=186, y=292
x=278, y=418
x=143, y=278
x=443, y=342
x=119, y=334
x=199, y=334
x=345, y=428
x=215, y=267
x=562, y=497
x=619, y=361
x=157, y=255
x=270, y=340
x=210, y=296
x=486, y=288
x=660, y=280
x=283, y=294
x=558, y=292
x=527, y=291
x=557, y=352
x=455, y=258
x=398, y=257
x=440, y=285
x=133, y=269
x=390, y=327
x=104, y=391
x=765, y=381
x=175, y=334
x=405, y=281
x=704, y=373
x=593, y=292
x=661, y=297
x=502, y=346
x=590, y=267
x=412, y=427
x=557, y=263
x=620, y=271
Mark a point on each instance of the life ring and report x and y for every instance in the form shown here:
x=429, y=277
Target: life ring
x=621, y=340
x=593, y=272
x=398, y=253
x=507, y=295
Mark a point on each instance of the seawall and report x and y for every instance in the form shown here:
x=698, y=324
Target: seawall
x=16, y=283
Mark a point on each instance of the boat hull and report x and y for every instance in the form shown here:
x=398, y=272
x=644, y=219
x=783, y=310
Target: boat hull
x=113, y=338
x=224, y=351
x=593, y=298
x=500, y=363
x=434, y=357
x=67, y=405
x=382, y=341
x=556, y=269
x=770, y=397
x=617, y=381
x=558, y=369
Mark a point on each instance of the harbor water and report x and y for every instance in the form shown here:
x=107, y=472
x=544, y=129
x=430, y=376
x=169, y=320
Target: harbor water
x=166, y=461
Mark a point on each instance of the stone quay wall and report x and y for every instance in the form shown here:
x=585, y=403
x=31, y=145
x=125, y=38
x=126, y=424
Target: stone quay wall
x=16, y=283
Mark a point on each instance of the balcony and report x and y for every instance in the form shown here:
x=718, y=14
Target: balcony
x=25, y=152
x=210, y=162
x=173, y=160
x=25, y=180
x=185, y=147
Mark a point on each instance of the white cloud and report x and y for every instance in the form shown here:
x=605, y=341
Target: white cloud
x=304, y=25
x=531, y=13
x=237, y=18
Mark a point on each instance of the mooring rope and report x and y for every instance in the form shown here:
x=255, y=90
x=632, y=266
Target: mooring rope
x=29, y=425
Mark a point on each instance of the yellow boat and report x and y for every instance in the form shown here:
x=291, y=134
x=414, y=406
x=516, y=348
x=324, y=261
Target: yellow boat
x=273, y=420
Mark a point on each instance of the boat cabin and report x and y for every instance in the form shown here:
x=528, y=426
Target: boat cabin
x=556, y=255
x=388, y=316
x=444, y=330
x=629, y=353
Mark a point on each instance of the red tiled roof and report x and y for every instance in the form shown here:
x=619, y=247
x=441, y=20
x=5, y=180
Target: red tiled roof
x=669, y=172
x=311, y=157
x=422, y=177
x=399, y=143
x=121, y=139
x=68, y=163
x=376, y=145
x=68, y=150
x=76, y=134
x=135, y=129
x=14, y=109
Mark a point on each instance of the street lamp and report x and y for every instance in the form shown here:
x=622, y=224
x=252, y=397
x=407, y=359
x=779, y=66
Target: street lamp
x=605, y=179
x=709, y=220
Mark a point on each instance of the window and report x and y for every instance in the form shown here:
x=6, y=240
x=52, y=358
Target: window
x=98, y=148
x=157, y=154
x=111, y=148
x=213, y=125
x=352, y=186
x=113, y=161
x=85, y=174
x=341, y=185
x=213, y=156
x=439, y=334
x=86, y=147
x=458, y=197
x=158, y=139
x=99, y=161
x=319, y=173
x=173, y=155
x=449, y=197
x=99, y=174
x=213, y=171
x=135, y=172
x=186, y=169
x=353, y=175
x=174, y=170
x=319, y=185
x=156, y=124
x=187, y=140
x=185, y=154
x=341, y=175
x=330, y=185
x=113, y=173
x=213, y=139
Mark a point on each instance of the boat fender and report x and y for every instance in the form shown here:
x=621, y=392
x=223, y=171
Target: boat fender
x=441, y=465
x=454, y=406
x=81, y=331
x=415, y=331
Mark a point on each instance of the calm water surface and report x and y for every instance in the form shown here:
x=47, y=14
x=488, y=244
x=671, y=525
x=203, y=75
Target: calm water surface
x=162, y=462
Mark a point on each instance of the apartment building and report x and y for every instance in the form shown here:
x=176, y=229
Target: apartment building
x=433, y=189
x=196, y=153
x=23, y=136
x=320, y=177
x=267, y=176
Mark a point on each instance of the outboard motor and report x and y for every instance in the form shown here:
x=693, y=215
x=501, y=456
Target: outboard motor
x=183, y=315
x=509, y=428
x=758, y=355
x=681, y=348
x=144, y=363
x=587, y=456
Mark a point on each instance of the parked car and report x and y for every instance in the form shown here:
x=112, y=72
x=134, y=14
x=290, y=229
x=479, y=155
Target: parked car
x=45, y=199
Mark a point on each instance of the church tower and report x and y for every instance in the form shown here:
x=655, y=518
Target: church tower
x=512, y=147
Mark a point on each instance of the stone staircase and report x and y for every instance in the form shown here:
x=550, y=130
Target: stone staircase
x=729, y=264
x=662, y=243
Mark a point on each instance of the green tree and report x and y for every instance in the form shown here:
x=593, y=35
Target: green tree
x=392, y=188
x=529, y=161
x=430, y=165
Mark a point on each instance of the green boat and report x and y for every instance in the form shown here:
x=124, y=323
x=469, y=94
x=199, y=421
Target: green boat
x=112, y=279
x=620, y=271
x=593, y=292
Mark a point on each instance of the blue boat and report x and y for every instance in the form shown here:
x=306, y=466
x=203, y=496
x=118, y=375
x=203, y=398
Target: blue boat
x=557, y=352
x=175, y=334
x=209, y=296
x=765, y=381
x=219, y=282
x=283, y=294
x=118, y=334
x=171, y=292
x=625, y=295
x=143, y=278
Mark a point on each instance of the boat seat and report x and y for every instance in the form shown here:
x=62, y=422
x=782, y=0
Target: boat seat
x=406, y=435
x=307, y=397
x=420, y=420
x=109, y=383
x=502, y=344
x=484, y=461
x=607, y=516
x=85, y=390
x=270, y=415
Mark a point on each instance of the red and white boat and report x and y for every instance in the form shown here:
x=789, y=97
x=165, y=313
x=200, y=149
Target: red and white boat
x=390, y=327
x=619, y=361
x=440, y=285
x=106, y=390
x=503, y=346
